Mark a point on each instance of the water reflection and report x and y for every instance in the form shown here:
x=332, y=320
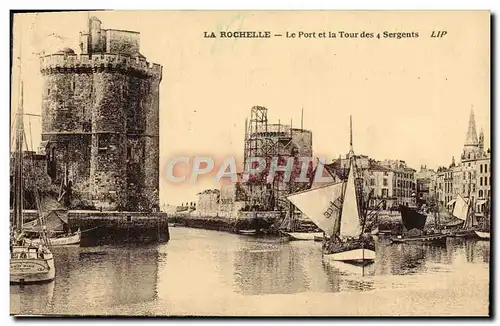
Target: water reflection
x=347, y=277
x=269, y=269
x=31, y=299
x=93, y=278
x=213, y=271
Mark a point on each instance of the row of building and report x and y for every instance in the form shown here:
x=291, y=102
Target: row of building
x=469, y=178
x=389, y=183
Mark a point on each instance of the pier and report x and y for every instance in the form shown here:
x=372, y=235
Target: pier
x=115, y=227
x=122, y=227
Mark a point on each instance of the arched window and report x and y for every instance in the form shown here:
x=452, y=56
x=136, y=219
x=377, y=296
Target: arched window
x=480, y=168
x=481, y=180
x=480, y=194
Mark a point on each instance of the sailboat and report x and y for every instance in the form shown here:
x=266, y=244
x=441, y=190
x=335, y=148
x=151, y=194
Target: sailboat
x=484, y=232
x=464, y=210
x=335, y=209
x=28, y=263
x=56, y=223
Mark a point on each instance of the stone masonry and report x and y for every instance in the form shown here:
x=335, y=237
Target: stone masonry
x=100, y=120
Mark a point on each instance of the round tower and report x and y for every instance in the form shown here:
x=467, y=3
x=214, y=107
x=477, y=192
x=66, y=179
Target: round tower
x=100, y=115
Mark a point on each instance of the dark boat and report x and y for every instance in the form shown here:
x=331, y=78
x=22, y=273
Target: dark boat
x=414, y=223
x=412, y=218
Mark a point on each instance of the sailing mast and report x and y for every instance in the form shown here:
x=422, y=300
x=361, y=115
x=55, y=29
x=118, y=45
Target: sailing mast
x=18, y=165
x=470, y=207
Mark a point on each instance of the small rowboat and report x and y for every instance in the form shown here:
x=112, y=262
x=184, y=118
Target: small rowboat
x=439, y=239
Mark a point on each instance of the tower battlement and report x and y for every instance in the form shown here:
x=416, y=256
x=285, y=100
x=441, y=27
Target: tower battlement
x=78, y=63
x=100, y=120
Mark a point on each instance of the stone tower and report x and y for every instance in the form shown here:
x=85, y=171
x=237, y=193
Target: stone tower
x=100, y=121
x=471, y=145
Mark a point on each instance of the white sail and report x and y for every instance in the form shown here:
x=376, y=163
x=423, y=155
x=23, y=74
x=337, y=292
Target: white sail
x=321, y=205
x=461, y=209
x=349, y=221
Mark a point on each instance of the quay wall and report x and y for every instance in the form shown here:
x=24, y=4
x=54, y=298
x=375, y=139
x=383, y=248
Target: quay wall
x=119, y=227
x=387, y=221
x=246, y=220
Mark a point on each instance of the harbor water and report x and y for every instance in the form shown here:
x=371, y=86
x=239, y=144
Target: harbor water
x=210, y=273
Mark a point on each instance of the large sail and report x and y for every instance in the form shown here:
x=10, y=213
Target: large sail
x=349, y=221
x=461, y=209
x=322, y=205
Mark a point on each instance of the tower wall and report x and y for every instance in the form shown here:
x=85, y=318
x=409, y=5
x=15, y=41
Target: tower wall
x=104, y=124
x=152, y=142
x=66, y=115
x=108, y=154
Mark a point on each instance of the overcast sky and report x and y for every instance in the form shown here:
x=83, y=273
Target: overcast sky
x=410, y=98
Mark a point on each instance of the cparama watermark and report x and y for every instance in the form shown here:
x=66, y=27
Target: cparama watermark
x=266, y=170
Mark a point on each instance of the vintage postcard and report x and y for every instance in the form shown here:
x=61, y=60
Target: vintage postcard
x=250, y=163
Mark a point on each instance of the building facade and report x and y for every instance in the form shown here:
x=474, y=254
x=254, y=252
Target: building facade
x=423, y=181
x=208, y=202
x=471, y=177
x=100, y=121
x=390, y=183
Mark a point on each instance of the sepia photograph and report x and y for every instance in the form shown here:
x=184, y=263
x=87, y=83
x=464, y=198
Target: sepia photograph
x=272, y=163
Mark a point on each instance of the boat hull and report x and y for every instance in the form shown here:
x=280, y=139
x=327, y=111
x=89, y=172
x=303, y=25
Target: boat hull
x=412, y=219
x=462, y=234
x=483, y=235
x=30, y=271
x=356, y=256
x=304, y=236
x=438, y=239
x=62, y=241
x=247, y=232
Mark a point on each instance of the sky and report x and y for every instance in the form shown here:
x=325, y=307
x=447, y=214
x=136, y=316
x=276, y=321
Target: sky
x=410, y=98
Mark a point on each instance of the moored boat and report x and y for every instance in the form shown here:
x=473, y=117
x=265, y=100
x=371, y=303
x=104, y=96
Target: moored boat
x=247, y=232
x=28, y=263
x=412, y=217
x=31, y=264
x=63, y=240
x=438, y=239
x=482, y=235
x=304, y=236
x=414, y=221
x=56, y=225
x=464, y=211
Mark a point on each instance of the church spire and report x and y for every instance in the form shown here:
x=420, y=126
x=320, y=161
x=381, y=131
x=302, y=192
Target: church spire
x=471, y=139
